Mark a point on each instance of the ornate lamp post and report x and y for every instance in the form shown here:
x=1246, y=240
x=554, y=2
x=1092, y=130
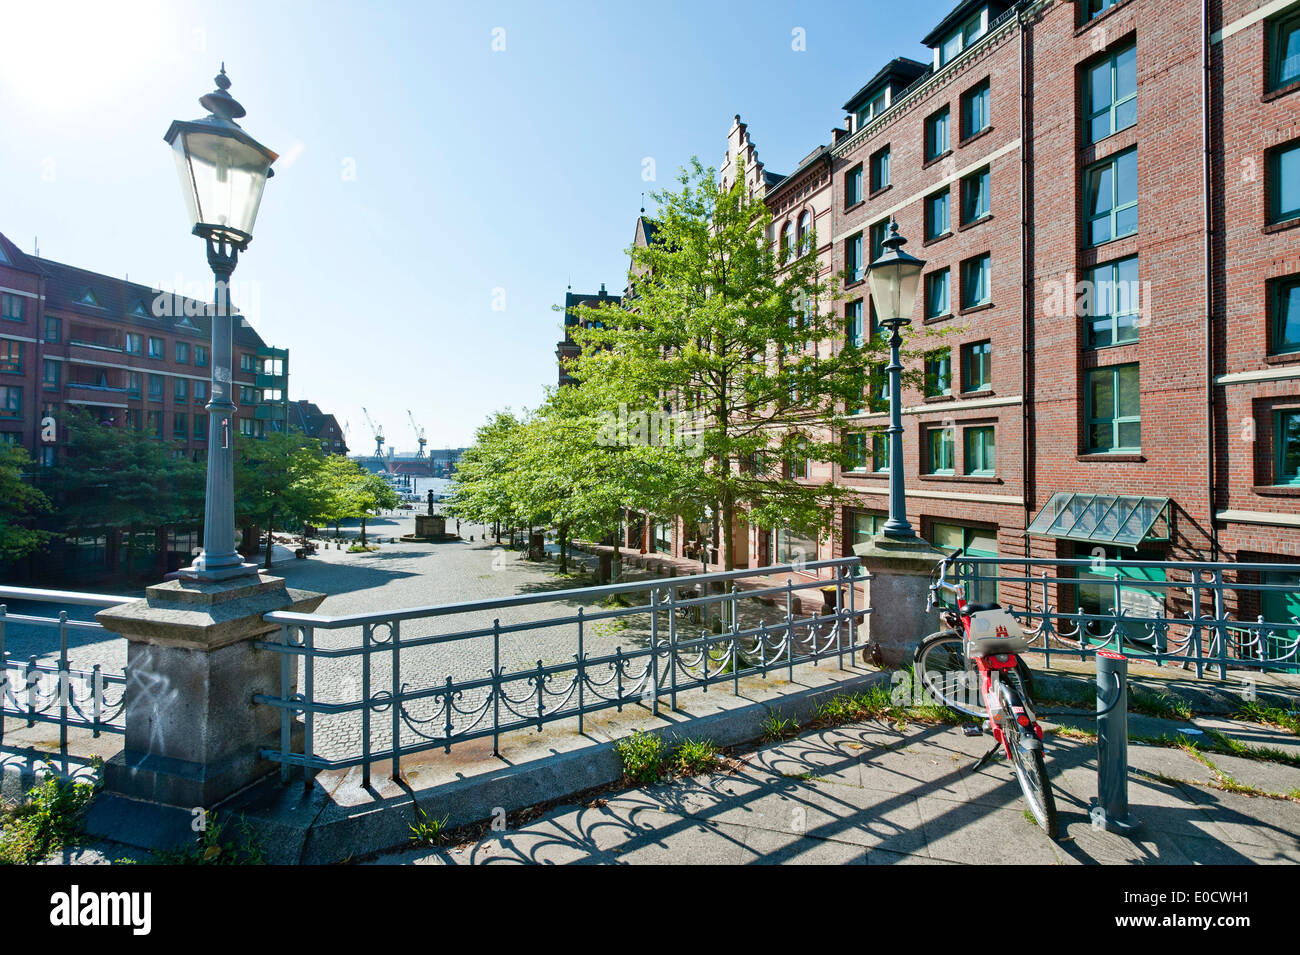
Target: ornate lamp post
x=223, y=171
x=894, y=278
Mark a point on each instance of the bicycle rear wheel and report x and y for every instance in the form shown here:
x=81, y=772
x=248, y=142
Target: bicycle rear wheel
x=939, y=665
x=1031, y=771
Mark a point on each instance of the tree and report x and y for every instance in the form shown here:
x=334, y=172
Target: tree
x=280, y=475
x=121, y=479
x=737, y=353
x=482, y=488
x=19, y=505
x=370, y=494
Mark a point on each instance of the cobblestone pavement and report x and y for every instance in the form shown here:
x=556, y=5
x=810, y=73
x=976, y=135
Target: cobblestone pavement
x=400, y=576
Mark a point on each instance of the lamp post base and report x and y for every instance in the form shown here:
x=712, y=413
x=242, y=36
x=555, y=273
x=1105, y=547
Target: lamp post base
x=898, y=582
x=201, y=571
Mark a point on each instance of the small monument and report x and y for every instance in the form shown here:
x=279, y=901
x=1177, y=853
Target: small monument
x=430, y=527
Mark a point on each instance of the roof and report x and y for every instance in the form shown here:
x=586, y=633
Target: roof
x=80, y=291
x=1099, y=518
x=15, y=257
x=900, y=68
x=959, y=15
x=818, y=154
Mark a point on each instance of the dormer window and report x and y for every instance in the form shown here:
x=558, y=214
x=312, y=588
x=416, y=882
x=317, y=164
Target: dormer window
x=872, y=108
x=956, y=42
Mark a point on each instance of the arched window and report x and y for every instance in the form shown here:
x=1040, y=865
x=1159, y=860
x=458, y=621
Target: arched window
x=805, y=233
x=787, y=242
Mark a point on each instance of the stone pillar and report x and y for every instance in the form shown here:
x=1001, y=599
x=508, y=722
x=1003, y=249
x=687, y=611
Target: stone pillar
x=900, y=572
x=193, y=732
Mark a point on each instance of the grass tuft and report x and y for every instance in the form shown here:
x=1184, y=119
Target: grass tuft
x=693, y=757
x=48, y=818
x=426, y=830
x=643, y=757
x=215, y=846
x=1256, y=712
x=776, y=727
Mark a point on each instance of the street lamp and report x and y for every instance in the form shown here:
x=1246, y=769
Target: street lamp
x=894, y=278
x=223, y=171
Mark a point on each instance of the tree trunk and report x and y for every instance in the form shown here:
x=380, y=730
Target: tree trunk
x=270, y=539
x=363, y=530
x=726, y=540
x=564, y=549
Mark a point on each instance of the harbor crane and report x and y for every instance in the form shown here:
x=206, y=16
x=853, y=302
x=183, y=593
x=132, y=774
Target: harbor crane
x=378, y=432
x=419, y=435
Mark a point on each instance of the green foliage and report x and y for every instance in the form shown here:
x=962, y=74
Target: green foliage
x=20, y=503
x=47, y=819
x=427, y=830
x=1259, y=712
x=643, y=757
x=693, y=757
x=777, y=727
x=1164, y=705
x=214, y=845
x=109, y=476
x=736, y=343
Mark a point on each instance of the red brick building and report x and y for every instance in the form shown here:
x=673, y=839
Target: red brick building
x=120, y=350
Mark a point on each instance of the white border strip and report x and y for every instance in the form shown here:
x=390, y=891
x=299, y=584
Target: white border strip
x=1250, y=19
x=1257, y=517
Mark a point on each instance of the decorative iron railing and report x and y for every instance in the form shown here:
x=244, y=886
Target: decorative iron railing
x=1195, y=613
x=414, y=692
x=55, y=691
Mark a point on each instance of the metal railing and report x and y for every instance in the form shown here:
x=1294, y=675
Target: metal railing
x=1188, y=617
x=56, y=692
x=696, y=637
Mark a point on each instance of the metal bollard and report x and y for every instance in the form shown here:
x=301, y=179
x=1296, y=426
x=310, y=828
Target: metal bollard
x=1110, y=810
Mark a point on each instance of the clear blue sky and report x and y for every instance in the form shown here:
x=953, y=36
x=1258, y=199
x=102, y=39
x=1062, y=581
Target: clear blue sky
x=421, y=170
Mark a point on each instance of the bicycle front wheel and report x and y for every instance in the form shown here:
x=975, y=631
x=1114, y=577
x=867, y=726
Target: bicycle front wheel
x=940, y=666
x=1031, y=771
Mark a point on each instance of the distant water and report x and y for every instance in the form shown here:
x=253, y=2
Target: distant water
x=439, y=486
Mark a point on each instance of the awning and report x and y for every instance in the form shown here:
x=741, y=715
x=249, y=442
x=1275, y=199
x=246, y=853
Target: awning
x=1100, y=518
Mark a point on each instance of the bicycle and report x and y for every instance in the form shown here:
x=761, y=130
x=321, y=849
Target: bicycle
x=974, y=667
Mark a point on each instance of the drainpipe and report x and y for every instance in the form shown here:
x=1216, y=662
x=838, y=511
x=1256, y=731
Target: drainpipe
x=1209, y=277
x=1027, y=290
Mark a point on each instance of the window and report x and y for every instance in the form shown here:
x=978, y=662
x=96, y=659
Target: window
x=1284, y=50
x=880, y=169
x=936, y=215
x=805, y=233
x=1286, y=431
x=12, y=307
x=53, y=329
x=11, y=357
x=1284, y=185
x=180, y=390
x=201, y=356
x=1111, y=197
x=154, y=423
x=863, y=526
x=871, y=109
x=179, y=427
x=853, y=324
x=157, y=348
x=246, y=427
x=855, y=447
x=133, y=384
x=1095, y=8
x=183, y=352
x=980, y=457
x=853, y=264
x=937, y=300
x=976, y=362
x=878, y=398
x=975, y=281
x=49, y=455
x=200, y=391
x=200, y=427
x=879, y=233
x=1110, y=94
x=938, y=373
x=133, y=418
x=155, y=388
x=246, y=362
x=247, y=395
x=853, y=186
x=1113, y=314
x=978, y=542
x=11, y=401
x=1114, y=420
x=134, y=344
x=1285, y=306
x=797, y=462
x=787, y=242
x=939, y=451
x=961, y=38
x=50, y=375
x=936, y=134
x=975, y=196
x=975, y=110
x=880, y=452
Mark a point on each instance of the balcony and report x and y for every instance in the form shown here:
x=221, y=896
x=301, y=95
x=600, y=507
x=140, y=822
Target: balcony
x=91, y=352
x=268, y=413
x=84, y=393
x=271, y=381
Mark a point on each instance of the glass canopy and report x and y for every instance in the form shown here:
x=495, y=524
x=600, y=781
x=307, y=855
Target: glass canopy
x=1101, y=518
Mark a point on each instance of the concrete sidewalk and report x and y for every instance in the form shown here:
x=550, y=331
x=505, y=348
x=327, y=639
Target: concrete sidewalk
x=871, y=793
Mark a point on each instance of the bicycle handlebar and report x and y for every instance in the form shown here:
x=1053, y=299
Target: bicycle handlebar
x=942, y=582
